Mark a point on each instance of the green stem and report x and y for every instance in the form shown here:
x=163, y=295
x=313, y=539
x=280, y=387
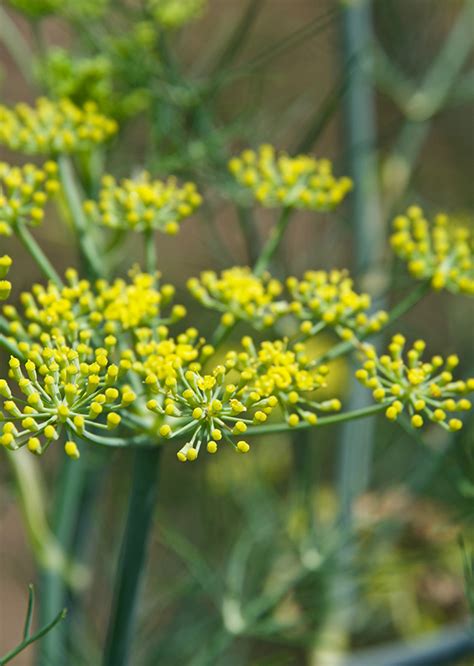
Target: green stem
x=74, y=202
x=9, y=346
x=132, y=557
x=353, y=415
x=400, y=309
x=221, y=334
x=53, y=586
x=271, y=246
x=150, y=251
x=37, y=253
x=39, y=634
x=16, y=45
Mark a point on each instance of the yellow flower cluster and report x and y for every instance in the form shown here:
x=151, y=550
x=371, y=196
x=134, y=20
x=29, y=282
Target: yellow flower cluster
x=175, y=13
x=276, y=179
x=100, y=309
x=324, y=299
x=284, y=374
x=24, y=192
x=440, y=252
x=53, y=128
x=219, y=404
x=142, y=204
x=5, y=285
x=425, y=389
x=240, y=295
x=60, y=388
x=159, y=358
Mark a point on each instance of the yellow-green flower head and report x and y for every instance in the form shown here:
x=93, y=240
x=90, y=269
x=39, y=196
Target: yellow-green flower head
x=175, y=13
x=425, y=389
x=5, y=285
x=275, y=179
x=158, y=356
x=51, y=128
x=56, y=389
x=24, y=192
x=439, y=251
x=240, y=295
x=81, y=310
x=324, y=299
x=210, y=408
x=142, y=204
x=284, y=374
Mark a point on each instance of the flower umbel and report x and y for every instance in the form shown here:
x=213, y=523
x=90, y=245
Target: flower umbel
x=276, y=179
x=425, y=389
x=324, y=299
x=240, y=295
x=61, y=388
x=142, y=204
x=438, y=251
x=285, y=375
x=81, y=308
x=24, y=192
x=51, y=128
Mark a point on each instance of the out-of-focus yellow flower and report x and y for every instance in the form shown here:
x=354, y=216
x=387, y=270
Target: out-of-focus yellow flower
x=142, y=204
x=5, y=285
x=60, y=388
x=440, y=251
x=175, y=13
x=425, y=389
x=240, y=295
x=324, y=299
x=52, y=128
x=24, y=192
x=278, y=180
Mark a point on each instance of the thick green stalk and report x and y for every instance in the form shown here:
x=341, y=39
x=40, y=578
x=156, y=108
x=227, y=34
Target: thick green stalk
x=37, y=253
x=90, y=255
x=132, y=557
x=53, y=588
x=274, y=240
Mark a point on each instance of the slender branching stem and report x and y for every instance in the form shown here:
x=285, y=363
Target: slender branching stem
x=150, y=251
x=90, y=255
x=37, y=253
x=353, y=415
x=273, y=242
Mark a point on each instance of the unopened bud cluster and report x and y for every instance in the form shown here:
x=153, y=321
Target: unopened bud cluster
x=277, y=180
x=425, y=389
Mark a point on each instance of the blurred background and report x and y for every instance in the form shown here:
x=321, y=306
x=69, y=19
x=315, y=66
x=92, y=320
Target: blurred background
x=325, y=543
